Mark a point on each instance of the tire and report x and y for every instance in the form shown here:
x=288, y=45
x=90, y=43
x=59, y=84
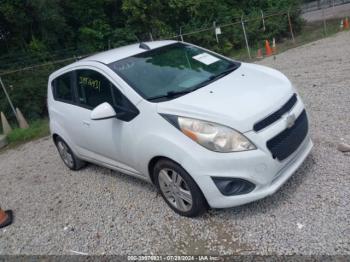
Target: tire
x=178, y=189
x=67, y=155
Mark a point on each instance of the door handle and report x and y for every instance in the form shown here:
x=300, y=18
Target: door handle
x=86, y=123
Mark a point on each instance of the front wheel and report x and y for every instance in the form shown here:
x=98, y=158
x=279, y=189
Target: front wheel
x=178, y=189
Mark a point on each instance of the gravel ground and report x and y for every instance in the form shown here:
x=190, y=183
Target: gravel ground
x=339, y=11
x=98, y=211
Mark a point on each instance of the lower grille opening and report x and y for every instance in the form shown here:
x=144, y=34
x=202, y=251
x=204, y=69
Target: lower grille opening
x=286, y=142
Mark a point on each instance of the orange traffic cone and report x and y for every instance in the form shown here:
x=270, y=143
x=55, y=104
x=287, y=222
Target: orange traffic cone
x=268, y=48
x=341, y=27
x=6, y=218
x=274, y=48
x=346, y=23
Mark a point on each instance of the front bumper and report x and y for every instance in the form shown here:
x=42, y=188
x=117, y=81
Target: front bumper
x=256, y=166
x=217, y=200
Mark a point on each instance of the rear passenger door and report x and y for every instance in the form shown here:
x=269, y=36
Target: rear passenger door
x=100, y=140
x=61, y=114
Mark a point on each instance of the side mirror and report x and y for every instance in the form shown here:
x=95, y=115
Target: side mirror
x=103, y=111
x=126, y=114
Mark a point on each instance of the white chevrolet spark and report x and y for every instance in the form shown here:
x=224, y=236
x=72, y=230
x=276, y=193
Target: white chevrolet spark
x=206, y=130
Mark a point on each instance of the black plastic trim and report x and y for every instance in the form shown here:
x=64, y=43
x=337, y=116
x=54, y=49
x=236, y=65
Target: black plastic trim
x=222, y=182
x=277, y=115
x=172, y=119
x=285, y=143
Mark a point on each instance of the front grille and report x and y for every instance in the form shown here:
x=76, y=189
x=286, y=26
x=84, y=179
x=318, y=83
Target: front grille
x=286, y=142
x=277, y=115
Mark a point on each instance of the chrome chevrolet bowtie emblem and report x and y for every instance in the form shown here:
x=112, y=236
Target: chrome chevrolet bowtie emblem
x=290, y=120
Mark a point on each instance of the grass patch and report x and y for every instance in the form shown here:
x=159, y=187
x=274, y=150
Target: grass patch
x=36, y=130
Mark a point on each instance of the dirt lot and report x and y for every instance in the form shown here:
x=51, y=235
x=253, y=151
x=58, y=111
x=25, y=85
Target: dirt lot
x=98, y=211
x=339, y=11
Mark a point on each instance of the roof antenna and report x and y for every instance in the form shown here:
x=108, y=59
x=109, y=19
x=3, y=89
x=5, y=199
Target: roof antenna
x=144, y=46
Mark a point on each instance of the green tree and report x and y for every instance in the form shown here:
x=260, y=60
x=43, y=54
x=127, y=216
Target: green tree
x=37, y=31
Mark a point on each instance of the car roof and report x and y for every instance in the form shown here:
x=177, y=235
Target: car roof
x=125, y=51
x=113, y=55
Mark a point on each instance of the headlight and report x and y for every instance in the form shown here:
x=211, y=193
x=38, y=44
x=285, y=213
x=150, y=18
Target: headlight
x=212, y=136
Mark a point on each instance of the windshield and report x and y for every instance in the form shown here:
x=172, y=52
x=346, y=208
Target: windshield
x=171, y=71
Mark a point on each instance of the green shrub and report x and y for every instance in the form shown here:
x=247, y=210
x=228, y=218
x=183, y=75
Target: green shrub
x=37, y=129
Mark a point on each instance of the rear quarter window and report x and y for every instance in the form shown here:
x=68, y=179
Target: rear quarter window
x=62, y=88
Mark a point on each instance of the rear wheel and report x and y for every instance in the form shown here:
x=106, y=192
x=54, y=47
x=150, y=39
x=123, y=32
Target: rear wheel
x=178, y=189
x=67, y=155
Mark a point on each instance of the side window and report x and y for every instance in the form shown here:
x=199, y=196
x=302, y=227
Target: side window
x=62, y=88
x=93, y=88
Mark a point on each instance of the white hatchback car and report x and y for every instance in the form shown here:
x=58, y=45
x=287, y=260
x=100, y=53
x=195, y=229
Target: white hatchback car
x=206, y=130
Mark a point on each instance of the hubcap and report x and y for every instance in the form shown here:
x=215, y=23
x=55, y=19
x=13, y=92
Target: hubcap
x=65, y=154
x=175, y=189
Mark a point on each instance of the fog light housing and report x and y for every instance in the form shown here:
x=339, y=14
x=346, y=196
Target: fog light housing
x=233, y=186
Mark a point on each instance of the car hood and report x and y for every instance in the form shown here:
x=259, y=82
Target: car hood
x=237, y=100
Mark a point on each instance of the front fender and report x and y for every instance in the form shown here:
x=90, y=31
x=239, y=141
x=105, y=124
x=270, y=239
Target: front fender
x=153, y=146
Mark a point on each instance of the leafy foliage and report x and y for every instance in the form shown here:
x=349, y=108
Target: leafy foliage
x=38, y=31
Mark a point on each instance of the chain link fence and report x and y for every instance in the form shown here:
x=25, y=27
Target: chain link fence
x=244, y=38
x=321, y=4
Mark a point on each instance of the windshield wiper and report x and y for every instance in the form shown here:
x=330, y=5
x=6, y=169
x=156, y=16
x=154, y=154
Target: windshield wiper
x=226, y=71
x=171, y=94
x=216, y=77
